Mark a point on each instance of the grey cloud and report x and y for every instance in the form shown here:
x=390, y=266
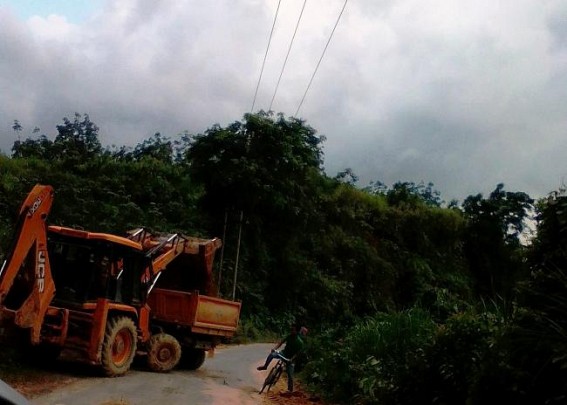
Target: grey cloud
x=465, y=95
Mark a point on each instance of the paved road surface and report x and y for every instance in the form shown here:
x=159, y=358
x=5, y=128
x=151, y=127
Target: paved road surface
x=230, y=377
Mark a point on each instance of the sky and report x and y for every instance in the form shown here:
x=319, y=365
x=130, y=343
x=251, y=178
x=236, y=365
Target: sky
x=464, y=94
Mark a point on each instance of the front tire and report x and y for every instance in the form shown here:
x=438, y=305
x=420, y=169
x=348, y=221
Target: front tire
x=164, y=352
x=272, y=378
x=275, y=375
x=119, y=346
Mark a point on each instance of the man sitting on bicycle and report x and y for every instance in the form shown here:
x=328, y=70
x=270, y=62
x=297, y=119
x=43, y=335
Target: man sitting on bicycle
x=293, y=346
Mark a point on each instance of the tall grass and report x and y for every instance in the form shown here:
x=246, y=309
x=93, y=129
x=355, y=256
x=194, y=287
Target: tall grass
x=365, y=365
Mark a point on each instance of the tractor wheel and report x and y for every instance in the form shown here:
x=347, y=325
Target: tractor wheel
x=164, y=352
x=119, y=346
x=192, y=359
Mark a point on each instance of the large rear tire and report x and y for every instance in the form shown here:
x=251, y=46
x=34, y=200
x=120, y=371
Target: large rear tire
x=192, y=359
x=164, y=352
x=119, y=346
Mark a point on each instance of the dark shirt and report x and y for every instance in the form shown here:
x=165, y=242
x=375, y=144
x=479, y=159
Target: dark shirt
x=293, y=345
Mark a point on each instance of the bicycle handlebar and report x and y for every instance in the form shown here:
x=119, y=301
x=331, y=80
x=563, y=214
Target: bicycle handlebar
x=280, y=356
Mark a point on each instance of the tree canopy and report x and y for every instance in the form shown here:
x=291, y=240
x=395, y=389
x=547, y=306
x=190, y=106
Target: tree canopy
x=391, y=268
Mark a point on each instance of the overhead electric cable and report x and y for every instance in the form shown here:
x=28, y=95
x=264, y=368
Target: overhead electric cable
x=288, y=51
x=265, y=56
x=320, y=59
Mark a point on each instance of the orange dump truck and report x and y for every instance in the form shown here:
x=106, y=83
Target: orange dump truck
x=109, y=298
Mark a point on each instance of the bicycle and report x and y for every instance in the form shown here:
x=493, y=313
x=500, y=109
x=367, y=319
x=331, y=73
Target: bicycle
x=276, y=372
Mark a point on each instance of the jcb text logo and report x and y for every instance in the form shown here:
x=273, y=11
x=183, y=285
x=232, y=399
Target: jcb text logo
x=40, y=271
x=35, y=206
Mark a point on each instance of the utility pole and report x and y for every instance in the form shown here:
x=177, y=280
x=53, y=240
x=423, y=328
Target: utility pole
x=237, y=255
x=248, y=140
x=222, y=250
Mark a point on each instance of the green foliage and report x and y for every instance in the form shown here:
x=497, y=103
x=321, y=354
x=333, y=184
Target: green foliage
x=528, y=365
x=374, y=355
x=157, y=147
x=321, y=251
x=549, y=245
x=250, y=330
x=505, y=211
x=268, y=170
x=97, y=191
x=393, y=256
x=76, y=141
x=454, y=360
x=492, y=242
x=408, y=193
x=347, y=176
x=404, y=193
x=404, y=358
x=262, y=163
x=38, y=148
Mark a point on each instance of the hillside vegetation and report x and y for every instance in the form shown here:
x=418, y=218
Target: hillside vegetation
x=408, y=299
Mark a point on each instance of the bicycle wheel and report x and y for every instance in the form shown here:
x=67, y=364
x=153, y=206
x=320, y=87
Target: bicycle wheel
x=272, y=378
x=278, y=369
x=268, y=379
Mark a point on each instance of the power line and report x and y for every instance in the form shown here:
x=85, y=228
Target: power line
x=265, y=56
x=288, y=51
x=320, y=59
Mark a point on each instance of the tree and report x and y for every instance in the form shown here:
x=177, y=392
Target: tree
x=507, y=211
x=376, y=187
x=17, y=127
x=347, y=176
x=156, y=147
x=492, y=242
x=407, y=193
x=411, y=193
x=77, y=140
x=265, y=167
x=530, y=350
x=41, y=148
x=548, y=248
x=259, y=163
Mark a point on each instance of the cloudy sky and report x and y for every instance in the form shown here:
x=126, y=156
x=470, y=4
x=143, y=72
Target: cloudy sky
x=465, y=94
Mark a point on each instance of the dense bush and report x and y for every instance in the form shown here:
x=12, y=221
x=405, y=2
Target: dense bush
x=367, y=363
x=460, y=347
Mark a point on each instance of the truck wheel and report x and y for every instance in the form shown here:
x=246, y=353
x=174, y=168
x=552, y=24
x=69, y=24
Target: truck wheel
x=164, y=352
x=119, y=346
x=192, y=359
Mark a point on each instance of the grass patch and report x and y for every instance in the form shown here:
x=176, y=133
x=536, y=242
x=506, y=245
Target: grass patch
x=249, y=332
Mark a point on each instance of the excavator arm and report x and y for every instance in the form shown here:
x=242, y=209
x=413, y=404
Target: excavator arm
x=26, y=284
x=162, y=250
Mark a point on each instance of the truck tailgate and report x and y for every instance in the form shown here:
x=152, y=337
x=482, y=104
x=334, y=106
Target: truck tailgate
x=203, y=314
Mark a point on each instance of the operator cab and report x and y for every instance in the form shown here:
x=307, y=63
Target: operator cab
x=87, y=266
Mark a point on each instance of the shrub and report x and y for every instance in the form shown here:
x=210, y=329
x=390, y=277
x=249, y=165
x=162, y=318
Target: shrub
x=373, y=357
x=455, y=358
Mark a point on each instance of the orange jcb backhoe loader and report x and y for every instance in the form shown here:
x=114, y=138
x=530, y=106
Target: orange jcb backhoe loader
x=91, y=293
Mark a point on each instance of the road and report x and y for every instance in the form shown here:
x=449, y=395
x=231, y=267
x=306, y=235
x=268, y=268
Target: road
x=230, y=377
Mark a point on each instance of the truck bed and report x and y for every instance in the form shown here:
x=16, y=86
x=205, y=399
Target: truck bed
x=202, y=314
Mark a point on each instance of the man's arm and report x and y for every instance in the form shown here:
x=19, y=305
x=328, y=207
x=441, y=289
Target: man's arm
x=276, y=347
